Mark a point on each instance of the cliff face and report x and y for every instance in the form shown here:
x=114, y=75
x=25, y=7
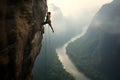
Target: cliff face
x=20, y=37
x=99, y=49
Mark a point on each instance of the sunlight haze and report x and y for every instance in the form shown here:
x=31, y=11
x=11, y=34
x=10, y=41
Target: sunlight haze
x=73, y=14
x=70, y=7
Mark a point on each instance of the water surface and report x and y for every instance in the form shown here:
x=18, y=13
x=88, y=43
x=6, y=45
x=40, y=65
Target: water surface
x=65, y=60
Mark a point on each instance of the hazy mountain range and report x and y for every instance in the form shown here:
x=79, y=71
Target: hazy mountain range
x=98, y=52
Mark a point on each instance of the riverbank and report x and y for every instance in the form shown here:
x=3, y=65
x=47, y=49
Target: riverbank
x=67, y=63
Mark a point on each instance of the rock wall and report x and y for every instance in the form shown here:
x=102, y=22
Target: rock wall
x=20, y=37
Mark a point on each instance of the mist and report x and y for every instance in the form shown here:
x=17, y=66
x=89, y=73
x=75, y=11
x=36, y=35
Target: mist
x=106, y=18
x=69, y=17
x=72, y=16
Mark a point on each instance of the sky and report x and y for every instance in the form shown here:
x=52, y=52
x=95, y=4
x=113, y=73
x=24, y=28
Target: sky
x=70, y=7
x=71, y=15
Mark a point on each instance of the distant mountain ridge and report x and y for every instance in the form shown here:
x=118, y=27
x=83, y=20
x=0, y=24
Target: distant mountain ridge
x=98, y=52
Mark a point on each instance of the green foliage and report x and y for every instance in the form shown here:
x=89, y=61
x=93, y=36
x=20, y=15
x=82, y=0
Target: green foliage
x=84, y=52
x=55, y=68
x=52, y=68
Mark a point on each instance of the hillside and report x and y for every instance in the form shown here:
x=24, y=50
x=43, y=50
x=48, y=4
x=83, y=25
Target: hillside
x=47, y=65
x=97, y=52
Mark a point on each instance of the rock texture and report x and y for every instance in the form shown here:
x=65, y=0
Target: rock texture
x=20, y=37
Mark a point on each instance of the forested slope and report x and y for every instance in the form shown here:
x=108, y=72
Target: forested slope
x=97, y=52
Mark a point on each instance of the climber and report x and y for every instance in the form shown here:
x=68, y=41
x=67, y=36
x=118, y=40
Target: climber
x=48, y=21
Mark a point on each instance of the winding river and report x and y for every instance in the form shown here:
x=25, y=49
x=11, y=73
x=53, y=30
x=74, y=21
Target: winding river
x=65, y=60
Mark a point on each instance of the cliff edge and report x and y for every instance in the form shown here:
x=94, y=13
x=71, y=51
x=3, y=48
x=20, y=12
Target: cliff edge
x=20, y=37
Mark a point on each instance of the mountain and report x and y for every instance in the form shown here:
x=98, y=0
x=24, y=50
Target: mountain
x=97, y=52
x=20, y=37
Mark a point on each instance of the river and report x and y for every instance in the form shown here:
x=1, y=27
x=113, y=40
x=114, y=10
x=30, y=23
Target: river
x=65, y=60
